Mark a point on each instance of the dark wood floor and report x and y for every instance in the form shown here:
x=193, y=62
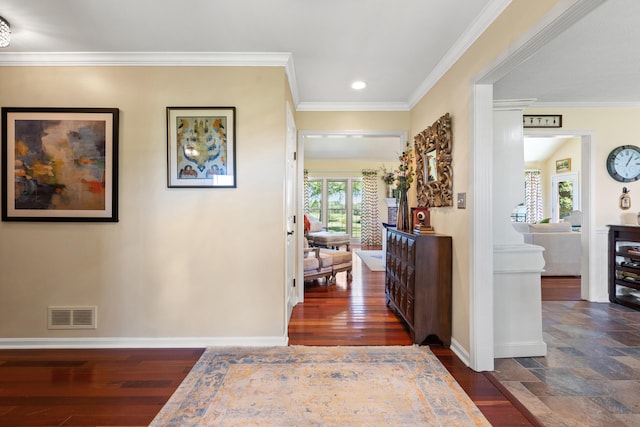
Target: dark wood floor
x=127, y=387
x=108, y=387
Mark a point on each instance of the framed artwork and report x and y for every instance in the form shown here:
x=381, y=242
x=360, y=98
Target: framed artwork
x=542, y=121
x=201, y=146
x=563, y=165
x=60, y=164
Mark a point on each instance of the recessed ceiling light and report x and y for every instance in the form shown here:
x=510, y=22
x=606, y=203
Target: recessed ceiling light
x=358, y=85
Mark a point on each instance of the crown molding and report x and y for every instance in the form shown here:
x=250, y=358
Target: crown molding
x=353, y=106
x=511, y=104
x=290, y=70
x=248, y=59
x=475, y=30
x=586, y=104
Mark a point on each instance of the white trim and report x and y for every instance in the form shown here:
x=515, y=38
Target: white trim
x=114, y=342
x=466, y=40
x=353, y=106
x=586, y=104
x=290, y=70
x=598, y=288
x=511, y=104
x=521, y=349
x=205, y=59
x=459, y=351
x=365, y=133
x=481, y=230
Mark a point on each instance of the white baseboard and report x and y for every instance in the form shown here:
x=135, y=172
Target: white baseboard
x=520, y=349
x=187, y=342
x=460, y=351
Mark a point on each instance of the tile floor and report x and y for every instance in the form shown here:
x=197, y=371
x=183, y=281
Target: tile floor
x=591, y=374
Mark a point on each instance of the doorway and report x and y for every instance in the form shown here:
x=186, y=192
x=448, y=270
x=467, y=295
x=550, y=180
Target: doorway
x=339, y=154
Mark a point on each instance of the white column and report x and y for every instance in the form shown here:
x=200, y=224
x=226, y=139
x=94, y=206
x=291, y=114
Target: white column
x=517, y=266
x=508, y=173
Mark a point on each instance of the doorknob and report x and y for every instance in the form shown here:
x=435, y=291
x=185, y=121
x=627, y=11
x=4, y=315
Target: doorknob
x=289, y=233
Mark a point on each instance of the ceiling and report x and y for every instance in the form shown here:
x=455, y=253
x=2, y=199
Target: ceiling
x=596, y=62
x=399, y=48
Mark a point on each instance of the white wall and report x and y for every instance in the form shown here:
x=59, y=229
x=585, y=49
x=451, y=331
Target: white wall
x=181, y=262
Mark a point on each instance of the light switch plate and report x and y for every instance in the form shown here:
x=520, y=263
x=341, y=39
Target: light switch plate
x=462, y=200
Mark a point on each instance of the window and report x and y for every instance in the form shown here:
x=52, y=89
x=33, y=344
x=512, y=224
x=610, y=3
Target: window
x=337, y=203
x=337, y=206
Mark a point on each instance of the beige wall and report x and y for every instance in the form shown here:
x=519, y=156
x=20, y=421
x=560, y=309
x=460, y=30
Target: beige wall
x=353, y=120
x=178, y=262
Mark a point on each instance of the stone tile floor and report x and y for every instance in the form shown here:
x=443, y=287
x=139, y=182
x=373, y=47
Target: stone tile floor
x=591, y=374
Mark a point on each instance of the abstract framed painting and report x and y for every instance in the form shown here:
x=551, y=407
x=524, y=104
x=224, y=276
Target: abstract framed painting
x=201, y=147
x=60, y=164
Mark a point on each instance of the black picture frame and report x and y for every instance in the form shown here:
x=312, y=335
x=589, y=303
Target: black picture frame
x=201, y=147
x=542, y=120
x=60, y=164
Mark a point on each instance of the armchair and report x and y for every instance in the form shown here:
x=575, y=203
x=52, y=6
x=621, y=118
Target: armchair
x=326, y=263
x=316, y=267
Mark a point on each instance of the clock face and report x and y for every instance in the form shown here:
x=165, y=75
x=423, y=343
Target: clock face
x=623, y=163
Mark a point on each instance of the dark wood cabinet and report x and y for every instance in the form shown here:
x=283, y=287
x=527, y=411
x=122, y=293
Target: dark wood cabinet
x=418, y=283
x=624, y=265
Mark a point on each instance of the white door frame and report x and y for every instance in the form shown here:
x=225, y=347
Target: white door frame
x=561, y=17
x=292, y=229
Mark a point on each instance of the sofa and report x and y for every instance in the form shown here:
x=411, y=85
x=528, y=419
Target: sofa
x=562, y=246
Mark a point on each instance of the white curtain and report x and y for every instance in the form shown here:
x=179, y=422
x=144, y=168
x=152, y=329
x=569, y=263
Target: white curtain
x=306, y=191
x=371, y=227
x=533, y=195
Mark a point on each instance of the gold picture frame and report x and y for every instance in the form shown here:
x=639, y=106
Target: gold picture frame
x=434, y=172
x=563, y=165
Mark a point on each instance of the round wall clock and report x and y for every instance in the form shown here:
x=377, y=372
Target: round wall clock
x=623, y=163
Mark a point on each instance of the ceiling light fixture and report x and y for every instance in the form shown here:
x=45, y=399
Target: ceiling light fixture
x=358, y=85
x=5, y=32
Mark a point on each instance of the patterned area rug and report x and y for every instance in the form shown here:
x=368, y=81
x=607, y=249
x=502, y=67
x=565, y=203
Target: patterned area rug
x=319, y=386
x=372, y=259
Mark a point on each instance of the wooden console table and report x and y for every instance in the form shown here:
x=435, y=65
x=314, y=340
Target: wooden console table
x=418, y=283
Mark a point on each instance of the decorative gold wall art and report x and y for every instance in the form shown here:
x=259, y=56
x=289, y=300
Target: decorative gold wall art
x=434, y=172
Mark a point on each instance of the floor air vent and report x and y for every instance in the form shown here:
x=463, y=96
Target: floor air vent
x=72, y=317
